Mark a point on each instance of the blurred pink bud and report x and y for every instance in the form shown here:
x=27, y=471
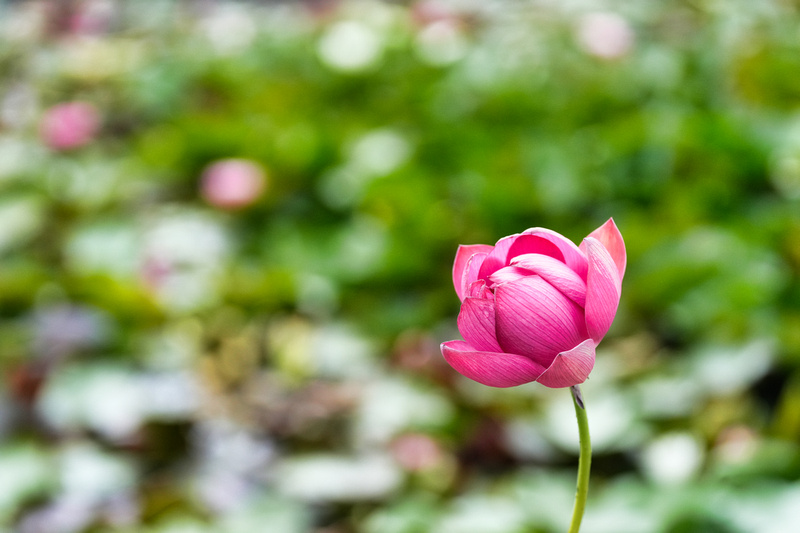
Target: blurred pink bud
x=321, y=9
x=69, y=125
x=535, y=306
x=232, y=183
x=91, y=17
x=605, y=35
x=416, y=452
x=428, y=12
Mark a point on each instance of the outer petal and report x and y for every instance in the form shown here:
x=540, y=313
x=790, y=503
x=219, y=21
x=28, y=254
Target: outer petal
x=573, y=256
x=571, y=367
x=490, y=368
x=555, y=273
x=609, y=236
x=534, y=319
x=508, y=247
x=476, y=324
x=463, y=255
x=603, y=289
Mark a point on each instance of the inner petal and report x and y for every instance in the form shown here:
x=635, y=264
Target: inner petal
x=509, y=247
x=556, y=273
x=573, y=256
x=479, y=289
x=506, y=274
x=534, y=244
x=534, y=319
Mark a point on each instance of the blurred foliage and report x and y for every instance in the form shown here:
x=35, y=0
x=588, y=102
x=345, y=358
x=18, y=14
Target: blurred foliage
x=191, y=352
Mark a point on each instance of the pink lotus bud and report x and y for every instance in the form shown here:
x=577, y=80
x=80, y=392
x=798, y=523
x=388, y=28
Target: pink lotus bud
x=417, y=452
x=91, y=17
x=69, y=125
x=605, y=35
x=321, y=9
x=232, y=183
x=534, y=306
x=428, y=12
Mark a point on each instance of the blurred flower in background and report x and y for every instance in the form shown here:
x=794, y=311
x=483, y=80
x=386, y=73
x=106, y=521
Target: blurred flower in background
x=605, y=35
x=69, y=125
x=232, y=183
x=91, y=17
x=62, y=330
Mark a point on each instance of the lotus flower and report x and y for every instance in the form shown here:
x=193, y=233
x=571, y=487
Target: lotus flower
x=534, y=306
x=233, y=183
x=605, y=35
x=70, y=125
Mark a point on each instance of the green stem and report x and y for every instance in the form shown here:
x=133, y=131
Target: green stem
x=584, y=461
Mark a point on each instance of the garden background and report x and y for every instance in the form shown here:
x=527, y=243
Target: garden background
x=226, y=235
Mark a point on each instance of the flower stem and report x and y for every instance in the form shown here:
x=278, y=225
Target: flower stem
x=584, y=460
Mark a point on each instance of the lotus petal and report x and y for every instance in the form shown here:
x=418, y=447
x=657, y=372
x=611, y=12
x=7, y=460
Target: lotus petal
x=536, y=320
x=571, y=367
x=476, y=324
x=603, y=289
x=478, y=289
x=534, y=244
x=490, y=368
x=573, y=256
x=609, y=236
x=508, y=247
x=470, y=274
x=555, y=273
x=506, y=274
x=463, y=255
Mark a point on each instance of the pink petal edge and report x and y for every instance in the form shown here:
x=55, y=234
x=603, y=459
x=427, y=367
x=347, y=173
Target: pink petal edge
x=476, y=324
x=571, y=367
x=478, y=289
x=490, y=368
x=609, y=236
x=556, y=274
x=522, y=243
x=506, y=275
x=497, y=257
x=603, y=289
x=574, y=257
x=463, y=255
x=534, y=244
x=470, y=274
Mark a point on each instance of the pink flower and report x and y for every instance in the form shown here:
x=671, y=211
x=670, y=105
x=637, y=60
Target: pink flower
x=427, y=12
x=417, y=452
x=232, y=183
x=90, y=17
x=69, y=125
x=605, y=35
x=535, y=306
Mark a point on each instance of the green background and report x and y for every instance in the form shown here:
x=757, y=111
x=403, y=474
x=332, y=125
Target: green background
x=281, y=371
